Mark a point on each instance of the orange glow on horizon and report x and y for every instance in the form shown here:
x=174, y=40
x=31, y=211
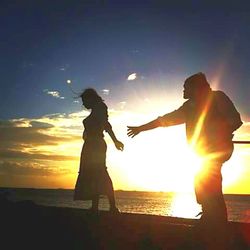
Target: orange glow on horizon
x=156, y=160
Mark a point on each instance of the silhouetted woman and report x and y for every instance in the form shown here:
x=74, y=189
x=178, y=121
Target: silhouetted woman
x=93, y=178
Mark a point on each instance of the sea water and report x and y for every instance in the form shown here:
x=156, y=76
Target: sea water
x=156, y=203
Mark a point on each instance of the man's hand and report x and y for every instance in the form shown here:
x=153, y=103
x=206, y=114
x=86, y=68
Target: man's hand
x=119, y=145
x=133, y=131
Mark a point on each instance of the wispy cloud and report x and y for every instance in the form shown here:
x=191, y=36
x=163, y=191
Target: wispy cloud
x=105, y=91
x=122, y=105
x=132, y=77
x=12, y=154
x=37, y=124
x=243, y=133
x=9, y=168
x=64, y=67
x=30, y=136
x=54, y=93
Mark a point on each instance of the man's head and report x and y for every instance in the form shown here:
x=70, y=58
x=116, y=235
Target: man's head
x=195, y=85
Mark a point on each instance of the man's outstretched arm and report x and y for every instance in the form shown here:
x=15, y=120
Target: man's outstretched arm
x=174, y=118
x=133, y=131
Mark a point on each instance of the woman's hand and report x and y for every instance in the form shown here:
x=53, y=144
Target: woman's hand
x=119, y=145
x=133, y=131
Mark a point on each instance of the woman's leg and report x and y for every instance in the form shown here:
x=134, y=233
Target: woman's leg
x=95, y=202
x=111, y=195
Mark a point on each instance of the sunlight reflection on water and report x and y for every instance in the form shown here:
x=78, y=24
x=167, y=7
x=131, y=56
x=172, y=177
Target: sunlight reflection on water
x=166, y=204
x=184, y=205
x=156, y=203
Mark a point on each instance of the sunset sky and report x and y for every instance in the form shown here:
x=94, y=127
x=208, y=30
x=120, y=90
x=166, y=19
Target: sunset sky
x=137, y=56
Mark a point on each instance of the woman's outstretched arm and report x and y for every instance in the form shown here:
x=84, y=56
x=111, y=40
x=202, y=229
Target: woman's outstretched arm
x=118, y=144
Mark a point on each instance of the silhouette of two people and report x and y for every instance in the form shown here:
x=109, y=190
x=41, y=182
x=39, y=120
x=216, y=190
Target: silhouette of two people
x=210, y=118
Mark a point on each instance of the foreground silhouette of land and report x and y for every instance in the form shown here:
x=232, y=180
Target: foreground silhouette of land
x=25, y=225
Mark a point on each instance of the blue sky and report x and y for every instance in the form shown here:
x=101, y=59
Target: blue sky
x=99, y=44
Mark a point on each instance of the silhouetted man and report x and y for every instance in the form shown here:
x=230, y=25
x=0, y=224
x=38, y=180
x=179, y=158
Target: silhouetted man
x=210, y=119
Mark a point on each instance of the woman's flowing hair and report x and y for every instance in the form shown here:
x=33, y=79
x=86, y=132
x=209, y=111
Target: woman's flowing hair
x=90, y=93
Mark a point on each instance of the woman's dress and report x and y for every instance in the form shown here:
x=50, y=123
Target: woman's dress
x=93, y=178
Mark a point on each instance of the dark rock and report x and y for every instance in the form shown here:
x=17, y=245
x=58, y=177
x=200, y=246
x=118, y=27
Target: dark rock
x=25, y=225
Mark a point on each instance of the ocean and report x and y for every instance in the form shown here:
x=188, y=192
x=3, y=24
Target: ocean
x=157, y=203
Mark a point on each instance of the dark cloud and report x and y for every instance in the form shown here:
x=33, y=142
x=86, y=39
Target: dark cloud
x=76, y=127
x=57, y=115
x=10, y=123
x=6, y=123
x=36, y=124
x=12, y=168
x=32, y=136
x=12, y=154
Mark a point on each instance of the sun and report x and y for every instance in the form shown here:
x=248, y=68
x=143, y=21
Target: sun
x=158, y=161
x=161, y=160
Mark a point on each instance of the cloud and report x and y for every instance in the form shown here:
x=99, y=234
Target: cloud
x=105, y=91
x=132, y=77
x=246, y=124
x=12, y=168
x=64, y=67
x=30, y=135
x=27, y=134
x=12, y=123
x=37, y=124
x=31, y=149
x=53, y=93
x=122, y=105
x=12, y=154
x=243, y=133
x=56, y=116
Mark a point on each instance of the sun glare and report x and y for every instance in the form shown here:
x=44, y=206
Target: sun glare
x=161, y=160
x=232, y=170
x=184, y=205
x=158, y=161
